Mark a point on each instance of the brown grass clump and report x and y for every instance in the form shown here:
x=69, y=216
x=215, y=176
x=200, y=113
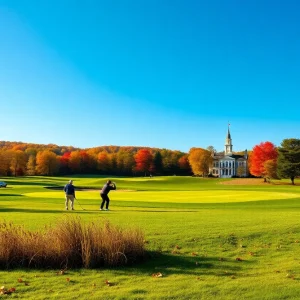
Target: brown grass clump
x=70, y=244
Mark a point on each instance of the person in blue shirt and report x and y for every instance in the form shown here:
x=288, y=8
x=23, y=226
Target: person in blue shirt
x=108, y=186
x=69, y=190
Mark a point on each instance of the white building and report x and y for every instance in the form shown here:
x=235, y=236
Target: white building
x=227, y=164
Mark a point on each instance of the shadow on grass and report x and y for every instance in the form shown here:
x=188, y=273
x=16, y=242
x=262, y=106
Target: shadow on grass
x=77, y=188
x=167, y=265
x=32, y=183
x=11, y=195
x=31, y=210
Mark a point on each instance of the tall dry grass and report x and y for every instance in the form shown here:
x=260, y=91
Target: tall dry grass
x=71, y=243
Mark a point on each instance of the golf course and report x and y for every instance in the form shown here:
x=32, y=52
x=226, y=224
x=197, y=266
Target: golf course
x=205, y=238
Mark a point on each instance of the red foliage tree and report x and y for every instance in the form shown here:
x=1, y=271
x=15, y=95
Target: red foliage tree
x=143, y=160
x=183, y=163
x=64, y=160
x=261, y=153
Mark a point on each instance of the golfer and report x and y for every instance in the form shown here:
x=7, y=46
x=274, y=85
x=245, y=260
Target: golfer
x=70, y=194
x=108, y=186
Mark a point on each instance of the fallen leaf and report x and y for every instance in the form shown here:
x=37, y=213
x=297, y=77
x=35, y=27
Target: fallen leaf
x=20, y=280
x=238, y=259
x=107, y=282
x=68, y=279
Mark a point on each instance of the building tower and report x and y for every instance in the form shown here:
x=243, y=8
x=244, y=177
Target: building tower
x=228, y=143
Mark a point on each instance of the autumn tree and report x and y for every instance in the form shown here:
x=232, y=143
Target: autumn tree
x=46, y=163
x=200, y=161
x=75, y=161
x=18, y=162
x=64, y=163
x=31, y=165
x=103, y=162
x=271, y=169
x=261, y=153
x=5, y=158
x=86, y=162
x=183, y=163
x=289, y=159
x=143, y=160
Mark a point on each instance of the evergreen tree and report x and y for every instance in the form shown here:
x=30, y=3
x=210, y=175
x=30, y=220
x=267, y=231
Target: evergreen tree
x=288, y=163
x=157, y=162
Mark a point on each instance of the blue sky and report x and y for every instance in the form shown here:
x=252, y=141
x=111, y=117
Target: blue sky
x=158, y=73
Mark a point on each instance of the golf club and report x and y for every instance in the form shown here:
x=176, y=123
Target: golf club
x=79, y=204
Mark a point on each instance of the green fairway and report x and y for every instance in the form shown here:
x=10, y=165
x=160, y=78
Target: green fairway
x=209, y=238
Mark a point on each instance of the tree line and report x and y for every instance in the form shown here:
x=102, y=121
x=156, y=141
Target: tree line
x=18, y=159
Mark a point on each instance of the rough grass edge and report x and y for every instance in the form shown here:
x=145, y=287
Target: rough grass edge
x=70, y=244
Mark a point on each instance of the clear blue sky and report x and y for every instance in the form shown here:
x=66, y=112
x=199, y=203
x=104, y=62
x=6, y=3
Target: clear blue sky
x=158, y=73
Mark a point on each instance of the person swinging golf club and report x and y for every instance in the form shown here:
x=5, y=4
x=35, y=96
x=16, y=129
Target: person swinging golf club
x=69, y=190
x=108, y=186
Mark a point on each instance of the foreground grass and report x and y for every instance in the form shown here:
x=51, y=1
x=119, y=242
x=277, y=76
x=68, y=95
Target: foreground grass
x=213, y=241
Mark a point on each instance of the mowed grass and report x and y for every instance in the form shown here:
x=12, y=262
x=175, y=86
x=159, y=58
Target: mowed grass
x=209, y=240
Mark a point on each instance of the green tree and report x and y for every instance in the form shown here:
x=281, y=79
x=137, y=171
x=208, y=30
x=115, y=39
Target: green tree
x=288, y=163
x=158, y=162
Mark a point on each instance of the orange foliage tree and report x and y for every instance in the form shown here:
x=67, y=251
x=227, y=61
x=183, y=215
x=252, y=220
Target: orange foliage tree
x=143, y=160
x=265, y=151
x=46, y=163
x=18, y=162
x=103, y=162
x=200, y=160
x=183, y=163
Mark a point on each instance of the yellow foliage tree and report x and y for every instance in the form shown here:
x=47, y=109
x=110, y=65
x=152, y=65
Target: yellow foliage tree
x=200, y=160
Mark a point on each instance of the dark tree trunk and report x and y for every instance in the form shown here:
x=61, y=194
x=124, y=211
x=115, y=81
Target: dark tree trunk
x=292, y=179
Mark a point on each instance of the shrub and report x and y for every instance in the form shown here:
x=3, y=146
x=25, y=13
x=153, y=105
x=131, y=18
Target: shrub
x=71, y=243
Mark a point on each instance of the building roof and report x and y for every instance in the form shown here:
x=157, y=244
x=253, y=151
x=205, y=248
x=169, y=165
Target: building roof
x=220, y=155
